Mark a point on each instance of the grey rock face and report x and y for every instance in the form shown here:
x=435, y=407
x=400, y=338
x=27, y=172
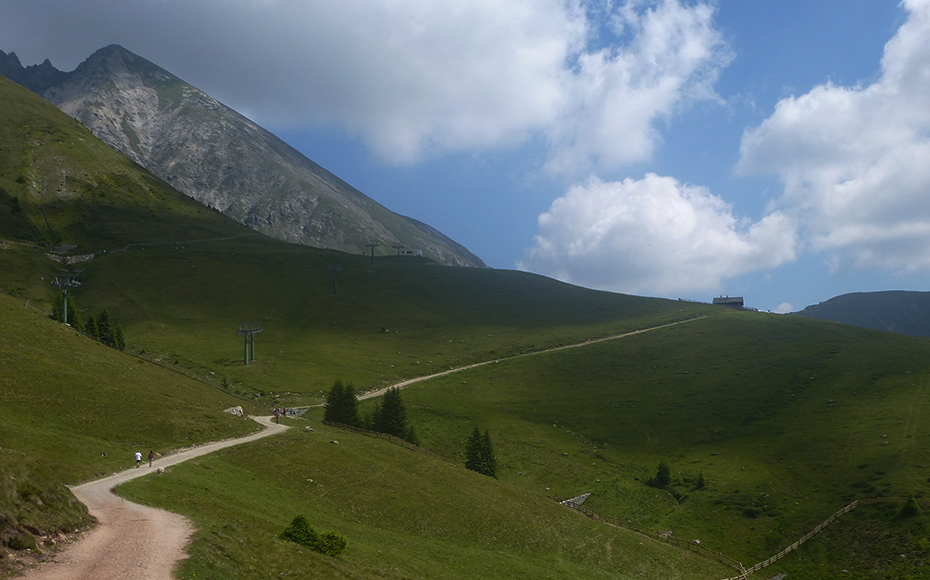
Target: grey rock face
x=227, y=162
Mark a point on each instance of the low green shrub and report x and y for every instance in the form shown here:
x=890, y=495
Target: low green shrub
x=332, y=544
x=23, y=541
x=300, y=532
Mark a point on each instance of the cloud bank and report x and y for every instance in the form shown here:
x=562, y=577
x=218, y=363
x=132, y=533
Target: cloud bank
x=855, y=164
x=417, y=78
x=855, y=161
x=653, y=236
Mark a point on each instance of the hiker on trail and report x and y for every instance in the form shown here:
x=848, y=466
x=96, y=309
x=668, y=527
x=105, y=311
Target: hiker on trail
x=277, y=416
x=138, y=459
x=151, y=458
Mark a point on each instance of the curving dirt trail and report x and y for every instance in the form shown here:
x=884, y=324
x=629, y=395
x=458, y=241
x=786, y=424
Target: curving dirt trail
x=132, y=542
x=408, y=382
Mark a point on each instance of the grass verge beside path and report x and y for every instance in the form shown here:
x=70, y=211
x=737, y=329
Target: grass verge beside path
x=405, y=515
x=379, y=392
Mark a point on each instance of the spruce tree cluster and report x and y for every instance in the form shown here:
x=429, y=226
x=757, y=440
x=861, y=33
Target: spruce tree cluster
x=479, y=453
x=99, y=328
x=342, y=405
x=102, y=330
x=390, y=416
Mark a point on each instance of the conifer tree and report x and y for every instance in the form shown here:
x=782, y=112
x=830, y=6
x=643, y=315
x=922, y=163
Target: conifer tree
x=74, y=317
x=479, y=453
x=490, y=460
x=663, y=474
x=390, y=416
x=118, y=340
x=473, y=450
x=104, y=328
x=90, y=327
x=342, y=405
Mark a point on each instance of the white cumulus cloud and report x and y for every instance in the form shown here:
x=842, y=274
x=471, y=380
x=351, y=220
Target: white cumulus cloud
x=855, y=161
x=416, y=78
x=653, y=236
x=618, y=93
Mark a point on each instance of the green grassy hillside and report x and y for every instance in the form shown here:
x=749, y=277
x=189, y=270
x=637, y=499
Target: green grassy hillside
x=404, y=514
x=395, y=319
x=71, y=409
x=787, y=419
x=784, y=419
x=893, y=311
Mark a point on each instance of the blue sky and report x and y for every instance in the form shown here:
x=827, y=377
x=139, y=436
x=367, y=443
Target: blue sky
x=778, y=150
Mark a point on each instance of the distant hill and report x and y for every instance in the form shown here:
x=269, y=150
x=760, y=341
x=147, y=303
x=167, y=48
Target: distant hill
x=222, y=159
x=894, y=311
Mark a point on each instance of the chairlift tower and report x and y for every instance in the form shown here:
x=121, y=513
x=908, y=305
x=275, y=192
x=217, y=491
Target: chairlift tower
x=334, y=268
x=69, y=280
x=372, y=245
x=398, y=247
x=249, y=331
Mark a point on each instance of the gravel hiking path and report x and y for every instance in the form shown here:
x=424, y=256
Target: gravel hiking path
x=132, y=542
x=407, y=383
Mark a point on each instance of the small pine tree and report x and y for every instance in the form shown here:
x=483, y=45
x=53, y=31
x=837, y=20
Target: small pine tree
x=118, y=340
x=301, y=532
x=90, y=327
x=473, y=450
x=490, y=460
x=74, y=315
x=479, y=453
x=663, y=474
x=342, y=405
x=104, y=328
x=390, y=416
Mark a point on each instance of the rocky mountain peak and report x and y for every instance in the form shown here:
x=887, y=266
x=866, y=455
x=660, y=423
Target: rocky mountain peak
x=37, y=77
x=222, y=159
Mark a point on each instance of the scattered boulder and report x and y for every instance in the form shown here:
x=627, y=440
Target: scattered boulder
x=237, y=411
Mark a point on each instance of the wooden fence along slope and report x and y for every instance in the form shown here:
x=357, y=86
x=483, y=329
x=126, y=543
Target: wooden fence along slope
x=745, y=572
x=694, y=545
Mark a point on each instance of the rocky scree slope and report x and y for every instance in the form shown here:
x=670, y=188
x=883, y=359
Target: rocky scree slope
x=222, y=159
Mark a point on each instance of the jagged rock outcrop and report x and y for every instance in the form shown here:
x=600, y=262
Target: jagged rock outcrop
x=222, y=159
x=37, y=77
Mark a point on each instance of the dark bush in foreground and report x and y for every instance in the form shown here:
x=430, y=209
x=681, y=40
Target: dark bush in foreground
x=331, y=544
x=300, y=531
